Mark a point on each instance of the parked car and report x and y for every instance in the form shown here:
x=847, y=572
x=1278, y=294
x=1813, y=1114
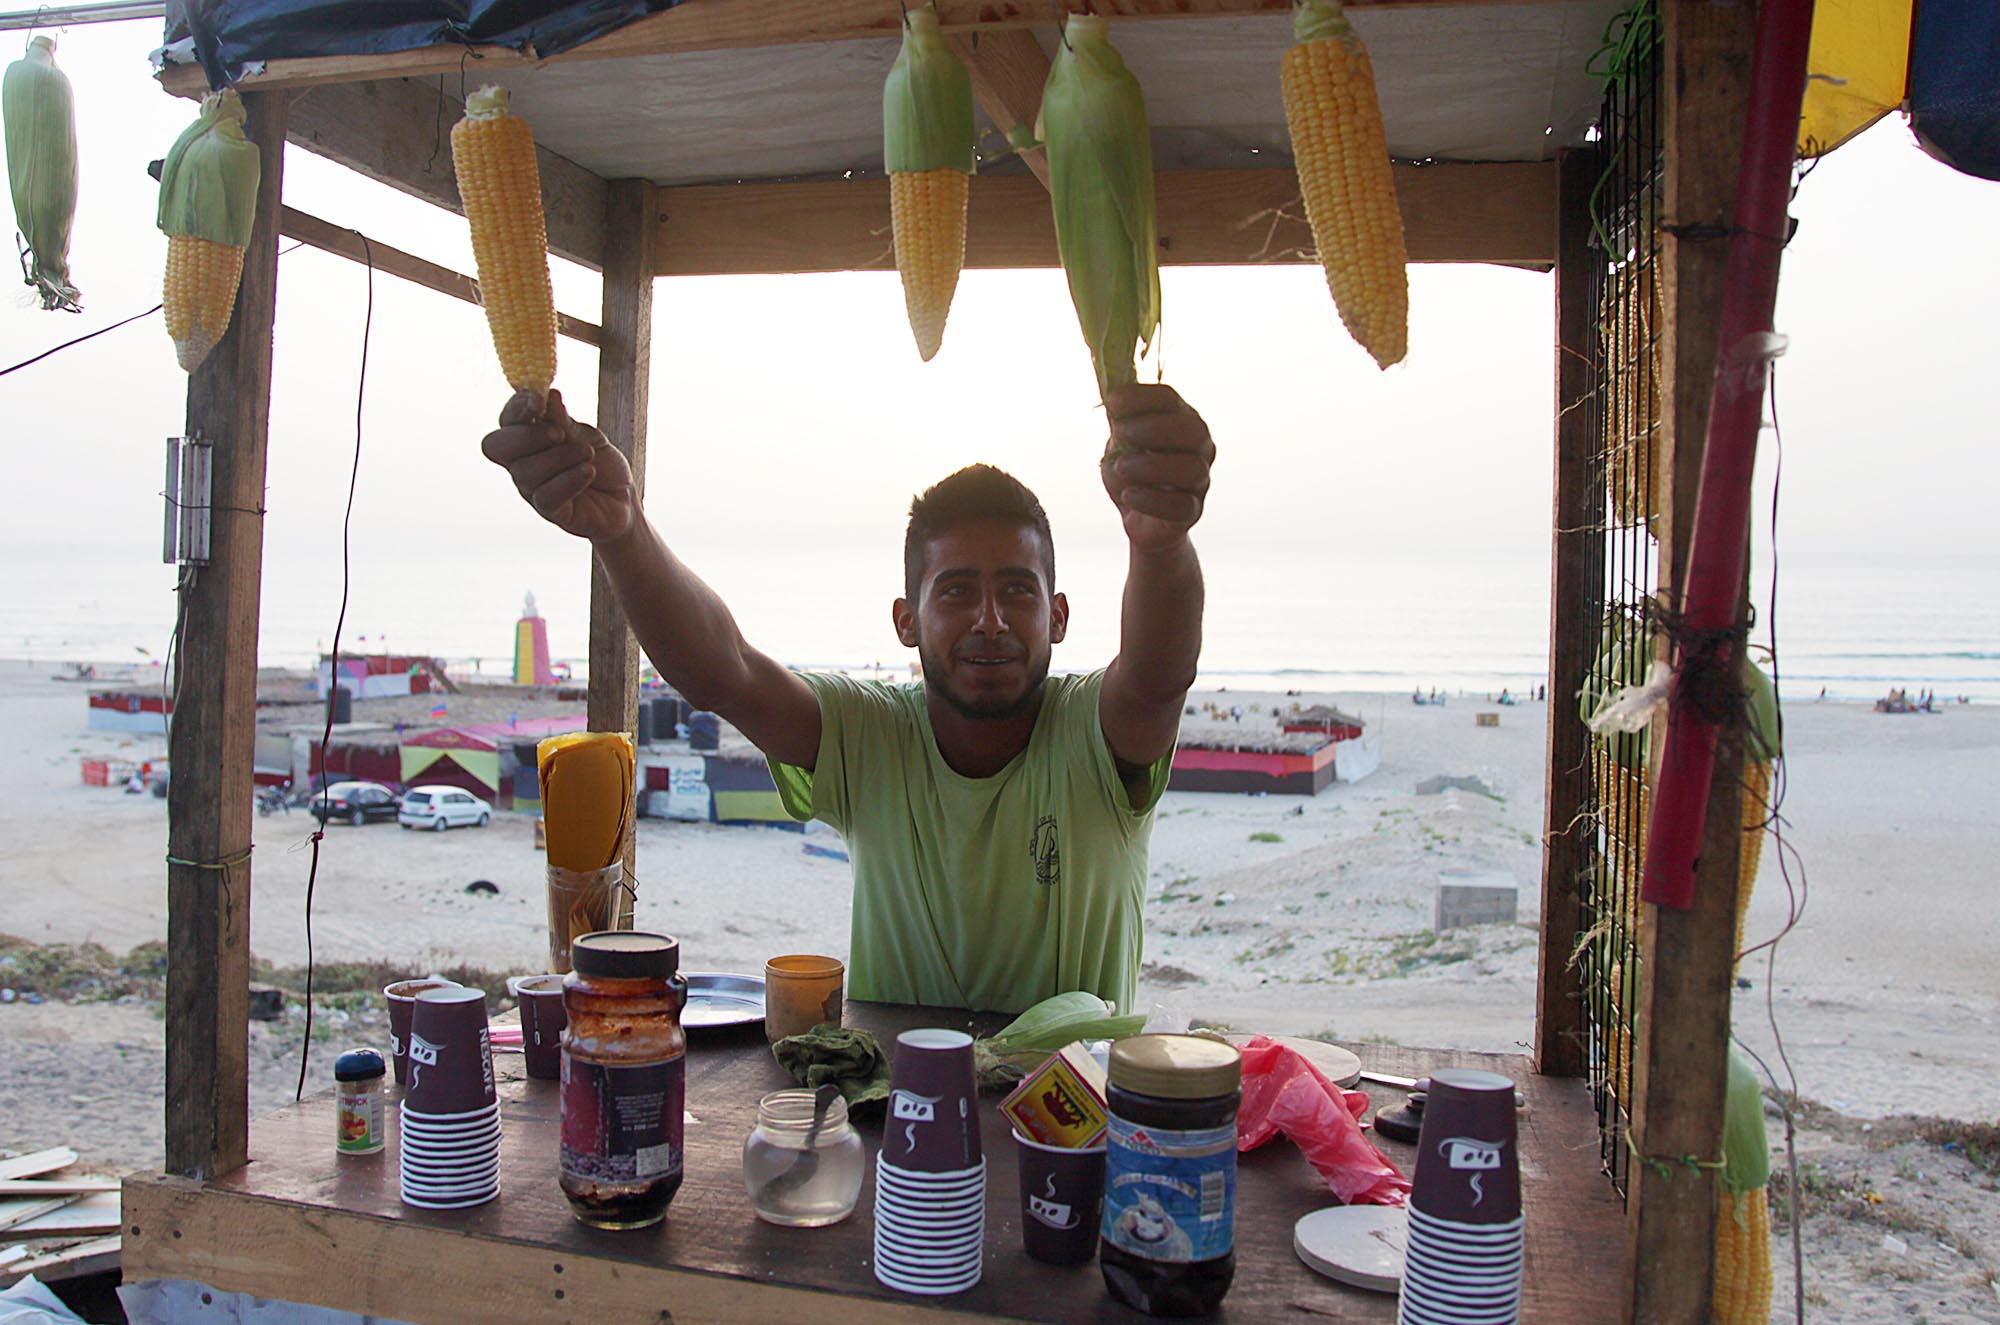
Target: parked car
x=356, y=802
x=438, y=808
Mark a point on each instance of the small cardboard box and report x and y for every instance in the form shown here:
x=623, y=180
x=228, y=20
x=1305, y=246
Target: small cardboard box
x=1061, y=1103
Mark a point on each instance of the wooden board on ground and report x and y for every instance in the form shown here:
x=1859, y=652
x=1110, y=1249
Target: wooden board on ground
x=41, y=1161
x=56, y=1186
x=71, y=1217
x=92, y=1256
x=273, y=1227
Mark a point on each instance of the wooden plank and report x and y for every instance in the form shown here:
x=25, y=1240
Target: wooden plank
x=40, y=1161
x=76, y=1217
x=624, y=375
x=1686, y=975
x=1577, y=568
x=45, y=1187
x=397, y=131
x=1008, y=72
x=91, y=1257
x=271, y=1228
x=342, y=242
x=713, y=25
x=16, y=1211
x=1503, y=213
x=214, y=729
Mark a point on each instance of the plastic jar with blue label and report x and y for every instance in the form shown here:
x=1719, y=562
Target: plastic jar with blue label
x=1167, y=1245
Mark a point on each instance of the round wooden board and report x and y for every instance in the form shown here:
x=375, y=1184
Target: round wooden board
x=1360, y=1245
x=1336, y=1064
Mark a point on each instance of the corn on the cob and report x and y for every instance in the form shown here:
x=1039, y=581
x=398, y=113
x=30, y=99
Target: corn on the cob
x=208, y=204
x=1743, y=1218
x=927, y=148
x=1760, y=748
x=40, y=116
x=500, y=187
x=1342, y=155
x=1100, y=151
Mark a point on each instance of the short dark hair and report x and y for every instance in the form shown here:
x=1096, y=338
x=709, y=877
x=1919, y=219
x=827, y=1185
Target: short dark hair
x=974, y=494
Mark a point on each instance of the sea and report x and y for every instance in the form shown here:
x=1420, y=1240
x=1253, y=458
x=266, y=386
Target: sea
x=1386, y=624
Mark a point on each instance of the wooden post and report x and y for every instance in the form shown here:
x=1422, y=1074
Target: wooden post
x=624, y=365
x=1686, y=973
x=1577, y=572
x=215, y=713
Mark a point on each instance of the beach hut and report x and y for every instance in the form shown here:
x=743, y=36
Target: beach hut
x=481, y=758
x=672, y=143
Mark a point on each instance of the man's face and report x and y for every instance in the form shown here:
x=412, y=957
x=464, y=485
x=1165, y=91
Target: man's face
x=984, y=621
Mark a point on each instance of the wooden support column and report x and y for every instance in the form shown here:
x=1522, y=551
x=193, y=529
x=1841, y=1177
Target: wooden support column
x=1008, y=73
x=624, y=367
x=214, y=727
x=1686, y=974
x=1577, y=572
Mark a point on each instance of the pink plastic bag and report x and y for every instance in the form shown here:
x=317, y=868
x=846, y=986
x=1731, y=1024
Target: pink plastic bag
x=1282, y=1092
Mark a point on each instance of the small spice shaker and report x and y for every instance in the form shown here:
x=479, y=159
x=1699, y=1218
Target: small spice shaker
x=357, y=1076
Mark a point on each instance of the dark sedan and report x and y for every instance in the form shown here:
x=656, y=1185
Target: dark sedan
x=356, y=802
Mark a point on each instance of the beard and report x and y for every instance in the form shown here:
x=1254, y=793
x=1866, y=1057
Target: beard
x=937, y=682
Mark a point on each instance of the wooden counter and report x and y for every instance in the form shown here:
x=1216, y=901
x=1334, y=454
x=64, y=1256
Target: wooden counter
x=304, y=1224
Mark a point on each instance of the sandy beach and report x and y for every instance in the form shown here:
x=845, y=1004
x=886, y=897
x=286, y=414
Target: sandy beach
x=1279, y=913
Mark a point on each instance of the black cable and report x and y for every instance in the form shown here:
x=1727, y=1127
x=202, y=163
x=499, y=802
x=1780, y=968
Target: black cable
x=333, y=671
x=79, y=340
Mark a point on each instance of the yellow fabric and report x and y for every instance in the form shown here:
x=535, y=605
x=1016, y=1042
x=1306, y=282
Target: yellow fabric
x=586, y=782
x=1859, y=69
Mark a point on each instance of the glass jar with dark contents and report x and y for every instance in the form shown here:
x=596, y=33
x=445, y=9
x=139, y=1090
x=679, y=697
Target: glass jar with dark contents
x=1167, y=1245
x=624, y=1080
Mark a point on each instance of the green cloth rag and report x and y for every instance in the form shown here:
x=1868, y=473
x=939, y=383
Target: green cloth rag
x=850, y=1059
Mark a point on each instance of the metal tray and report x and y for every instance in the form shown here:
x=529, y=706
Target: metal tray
x=720, y=998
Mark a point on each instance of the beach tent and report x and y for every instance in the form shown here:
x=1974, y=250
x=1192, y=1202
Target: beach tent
x=479, y=757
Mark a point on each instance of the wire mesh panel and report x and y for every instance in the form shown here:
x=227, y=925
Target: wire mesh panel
x=1623, y=408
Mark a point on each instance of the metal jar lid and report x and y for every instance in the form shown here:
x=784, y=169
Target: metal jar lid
x=1175, y=1067
x=358, y=1065
x=625, y=954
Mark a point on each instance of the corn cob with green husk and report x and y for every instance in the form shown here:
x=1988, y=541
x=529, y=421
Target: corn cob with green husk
x=1342, y=156
x=1047, y=1027
x=208, y=205
x=927, y=148
x=500, y=187
x=1743, y=1223
x=1100, y=152
x=40, y=114
x=1760, y=751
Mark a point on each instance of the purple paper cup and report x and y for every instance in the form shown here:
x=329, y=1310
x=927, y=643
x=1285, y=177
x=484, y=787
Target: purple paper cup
x=401, y=996
x=1468, y=1170
x=451, y=1061
x=933, y=1123
x=1062, y=1199
x=543, y=1017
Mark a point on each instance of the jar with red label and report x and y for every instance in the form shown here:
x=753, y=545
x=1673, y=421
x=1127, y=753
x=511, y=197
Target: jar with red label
x=624, y=1080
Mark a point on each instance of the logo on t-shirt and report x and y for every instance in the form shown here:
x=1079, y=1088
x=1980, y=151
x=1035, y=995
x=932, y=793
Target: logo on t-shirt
x=1046, y=854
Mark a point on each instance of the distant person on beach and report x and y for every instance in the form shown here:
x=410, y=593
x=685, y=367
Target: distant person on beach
x=997, y=819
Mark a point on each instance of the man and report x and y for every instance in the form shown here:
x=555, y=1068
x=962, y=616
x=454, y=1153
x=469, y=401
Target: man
x=997, y=820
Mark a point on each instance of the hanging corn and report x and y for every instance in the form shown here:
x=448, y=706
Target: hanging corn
x=493, y=152
x=1093, y=127
x=1342, y=156
x=927, y=148
x=40, y=112
x=1760, y=751
x=1743, y=1222
x=208, y=203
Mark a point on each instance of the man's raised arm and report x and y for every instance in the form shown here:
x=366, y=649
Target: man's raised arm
x=580, y=483
x=1156, y=468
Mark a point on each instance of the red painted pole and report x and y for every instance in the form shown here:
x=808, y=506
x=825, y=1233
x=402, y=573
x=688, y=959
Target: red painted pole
x=1720, y=546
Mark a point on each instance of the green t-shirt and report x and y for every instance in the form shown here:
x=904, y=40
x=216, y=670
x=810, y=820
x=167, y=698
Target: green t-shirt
x=989, y=893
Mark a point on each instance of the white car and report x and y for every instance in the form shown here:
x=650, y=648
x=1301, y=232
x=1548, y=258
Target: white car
x=438, y=808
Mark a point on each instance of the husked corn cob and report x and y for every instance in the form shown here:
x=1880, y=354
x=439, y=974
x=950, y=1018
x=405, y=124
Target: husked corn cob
x=40, y=114
x=500, y=187
x=208, y=205
x=1756, y=812
x=1743, y=1218
x=927, y=147
x=1100, y=151
x=1342, y=156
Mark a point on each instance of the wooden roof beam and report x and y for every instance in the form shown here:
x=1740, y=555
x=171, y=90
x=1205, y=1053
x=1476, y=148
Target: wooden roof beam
x=1499, y=213
x=396, y=131
x=713, y=25
x=350, y=244
x=1008, y=73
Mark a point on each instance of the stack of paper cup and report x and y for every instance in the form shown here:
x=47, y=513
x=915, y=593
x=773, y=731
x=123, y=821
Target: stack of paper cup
x=1465, y=1254
x=930, y=1178
x=450, y=1155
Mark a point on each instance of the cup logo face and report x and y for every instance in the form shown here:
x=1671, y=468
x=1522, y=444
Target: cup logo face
x=423, y=1051
x=1048, y=1210
x=914, y=1108
x=1468, y=1154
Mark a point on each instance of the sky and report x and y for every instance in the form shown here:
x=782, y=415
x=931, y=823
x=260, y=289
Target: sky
x=1354, y=512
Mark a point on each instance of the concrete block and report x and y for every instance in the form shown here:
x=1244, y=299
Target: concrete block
x=1475, y=897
